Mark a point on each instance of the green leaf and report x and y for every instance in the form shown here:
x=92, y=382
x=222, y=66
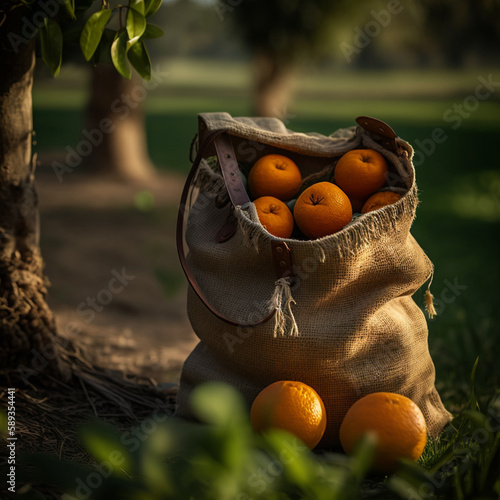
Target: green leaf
x=92, y=32
x=103, y=52
x=102, y=440
x=152, y=31
x=473, y=403
x=458, y=490
x=282, y=444
x=51, y=43
x=363, y=455
x=139, y=57
x=218, y=403
x=403, y=488
x=49, y=470
x=153, y=454
x=136, y=23
x=152, y=6
x=119, y=54
x=138, y=5
x=69, y=7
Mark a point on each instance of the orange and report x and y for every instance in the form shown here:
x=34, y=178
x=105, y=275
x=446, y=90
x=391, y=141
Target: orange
x=275, y=216
x=292, y=406
x=361, y=172
x=274, y=175
x=397, y=422
x=322, y=209
x=379, y=200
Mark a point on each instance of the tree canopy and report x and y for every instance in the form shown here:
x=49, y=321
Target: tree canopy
x=110, y=32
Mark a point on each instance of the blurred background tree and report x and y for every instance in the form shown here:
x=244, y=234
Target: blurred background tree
x=122, y=154
x=461, y=33
x=279, y=34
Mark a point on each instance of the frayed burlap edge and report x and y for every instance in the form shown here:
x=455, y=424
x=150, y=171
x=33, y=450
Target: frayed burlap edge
x=348, y=241
x=355, y=236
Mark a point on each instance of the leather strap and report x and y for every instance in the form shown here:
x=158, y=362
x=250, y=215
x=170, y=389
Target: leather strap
x=282, y=257
x=383, y=132
x=230, y=170
x=223, y=146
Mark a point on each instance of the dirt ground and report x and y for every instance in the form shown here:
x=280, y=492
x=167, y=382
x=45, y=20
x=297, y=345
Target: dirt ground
x=116, y=283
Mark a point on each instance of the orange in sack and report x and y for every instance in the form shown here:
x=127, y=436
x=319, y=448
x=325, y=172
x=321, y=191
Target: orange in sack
x=361, y=172
x=274, y=175
x=275, y=216
x=379, y=200
x=322, y=209
x=397, y=422
x=292, y=406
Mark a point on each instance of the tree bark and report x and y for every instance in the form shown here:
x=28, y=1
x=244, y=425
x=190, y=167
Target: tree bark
x=26, y=322
x=115, y=116
x=273, y=79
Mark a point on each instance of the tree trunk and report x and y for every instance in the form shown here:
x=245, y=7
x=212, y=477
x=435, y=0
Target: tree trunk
x=116, y=122
x=272, y=85
x=26, y=322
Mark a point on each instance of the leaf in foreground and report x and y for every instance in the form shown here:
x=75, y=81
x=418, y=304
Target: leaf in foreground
x=51, y=44
x=92, y=32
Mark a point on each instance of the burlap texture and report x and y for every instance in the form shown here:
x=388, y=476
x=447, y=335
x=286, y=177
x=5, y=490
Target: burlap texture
x=358, y=329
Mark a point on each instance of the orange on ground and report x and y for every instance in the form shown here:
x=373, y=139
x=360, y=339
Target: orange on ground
x=274, y=175
x=322, y=209
x=275, y=216
x=396, y=420
x=292, y=406
x=379, y=200
x=361, y=172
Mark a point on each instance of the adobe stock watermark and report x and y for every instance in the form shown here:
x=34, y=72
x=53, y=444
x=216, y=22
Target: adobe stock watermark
x=131, y=441
x=260, y=480
x=104, y=296
x=480, y=437
x=363, y=37
x=30, y=26
x=455, y=115
x=377, y=364
x=223, y=6
x=121, y=108
x=448, y=294
x=299, y=273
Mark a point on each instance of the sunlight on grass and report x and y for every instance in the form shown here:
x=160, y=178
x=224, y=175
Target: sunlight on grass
x=478, y=198
x=392, y=83
x=429, y=112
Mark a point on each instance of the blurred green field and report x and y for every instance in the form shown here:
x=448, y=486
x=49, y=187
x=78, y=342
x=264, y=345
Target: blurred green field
x=457, y=222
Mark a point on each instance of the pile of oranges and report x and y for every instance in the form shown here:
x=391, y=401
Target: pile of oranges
x=395, y=421
x=324, y=207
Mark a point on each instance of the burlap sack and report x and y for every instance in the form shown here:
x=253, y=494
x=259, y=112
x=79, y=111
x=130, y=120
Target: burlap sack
x=346, y=324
